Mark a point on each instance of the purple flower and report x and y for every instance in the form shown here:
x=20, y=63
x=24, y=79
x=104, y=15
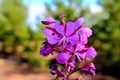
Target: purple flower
x=69, y=41
x=80, y=51
x=88, y=68
x=63, y=34
x=71, y=51
x=83, y=52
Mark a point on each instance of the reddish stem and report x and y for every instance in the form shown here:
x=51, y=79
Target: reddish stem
x=67, y=73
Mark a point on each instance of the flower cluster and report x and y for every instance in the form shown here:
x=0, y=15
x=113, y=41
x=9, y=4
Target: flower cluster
x=69, y=40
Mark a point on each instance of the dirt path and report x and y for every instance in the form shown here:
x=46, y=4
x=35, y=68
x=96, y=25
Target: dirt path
x=10, y=70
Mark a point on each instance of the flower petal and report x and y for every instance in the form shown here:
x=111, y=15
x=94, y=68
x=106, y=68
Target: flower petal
x=73, y=39
x=83, y=36
x=81, y=56
x=92, y=65
x=47, y=32
x=50, y=19
x=89, y=68
x=79, y=22
x=79, y=47
x=53, y=39
x=70, y=28
x=59, y=28
x=62, y=58
x=84, y=39
x=91, y=53
x=92, y=71
x=88, y=31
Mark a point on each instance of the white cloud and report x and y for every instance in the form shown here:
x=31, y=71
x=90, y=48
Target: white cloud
x=95, y=9
x=33, y=12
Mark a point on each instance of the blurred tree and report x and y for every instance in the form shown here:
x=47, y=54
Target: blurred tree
x=107, y=32
x=13, y=30
x=16, y=38
x=106, y=37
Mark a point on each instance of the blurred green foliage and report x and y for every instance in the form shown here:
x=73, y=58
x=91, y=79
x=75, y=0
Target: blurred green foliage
x=16, y=37
x=106, y=35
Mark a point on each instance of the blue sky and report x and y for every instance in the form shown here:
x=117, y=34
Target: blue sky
x=37, y=8
x=41, y=2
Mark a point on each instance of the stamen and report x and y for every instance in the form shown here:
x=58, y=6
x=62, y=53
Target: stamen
x=62, y=40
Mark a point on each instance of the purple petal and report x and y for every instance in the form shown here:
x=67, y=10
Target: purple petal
x=62, y=58
x=69, y=47
x=91, y=53
x=89, y=68
x=83, y=36
x=92, y=65
x=92, y=71
x=70, y=28
x=88, y=31
x=47, y=32
x=79, y=22
x=53, y=39
x=84, y=39
x=73, y=39
x=59, y=28
x=79, y=47
x=92, y=68
x=50, y=19
x=81, y=56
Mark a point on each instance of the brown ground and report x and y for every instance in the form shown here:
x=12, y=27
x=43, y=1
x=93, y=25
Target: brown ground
x=10, y=70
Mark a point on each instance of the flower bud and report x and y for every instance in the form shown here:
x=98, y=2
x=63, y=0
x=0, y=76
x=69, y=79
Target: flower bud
x=63, y=70
x=47, y=22
x=45, y=50
x=53, y=72
x=88, y=68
